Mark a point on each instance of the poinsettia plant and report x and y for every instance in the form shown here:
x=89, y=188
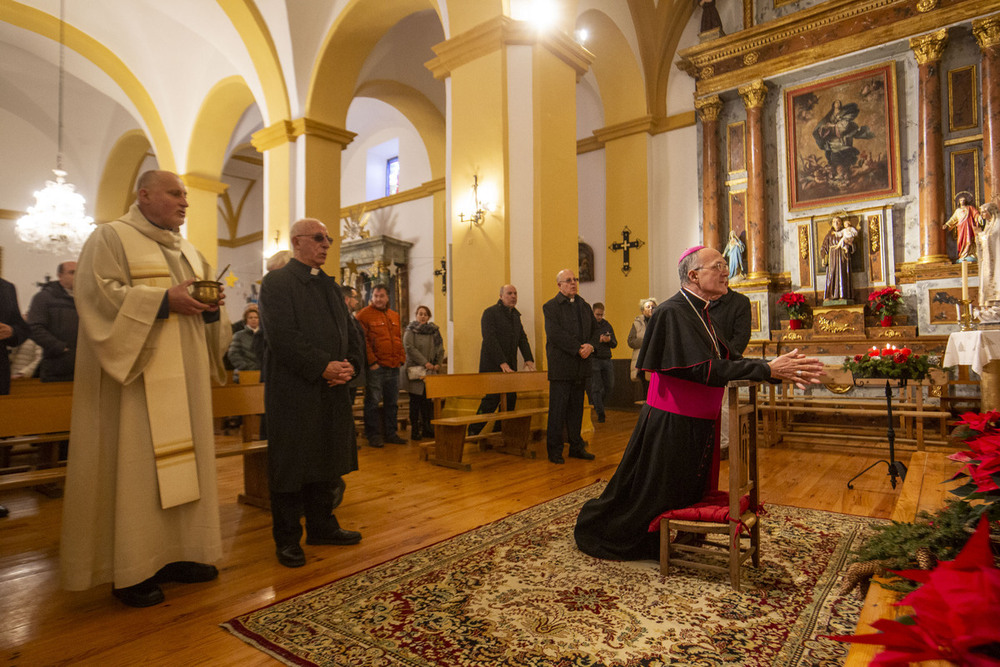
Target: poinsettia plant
x=955, y=613
x=980, y=471
x=795, y=303
x=885, y=302
x=891, y=362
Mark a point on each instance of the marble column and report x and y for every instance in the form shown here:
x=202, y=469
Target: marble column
x=711, y=190
x=987, y=33
x=753, y=95
x=928, y=50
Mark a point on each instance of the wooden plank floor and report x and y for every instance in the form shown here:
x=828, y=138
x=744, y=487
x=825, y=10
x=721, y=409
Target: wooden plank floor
x=398, y=503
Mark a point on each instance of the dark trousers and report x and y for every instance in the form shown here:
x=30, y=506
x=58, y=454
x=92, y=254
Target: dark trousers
x=315, y=501
x=421, y=413
x=602, y=383
x=381, y=386
x=488, y=406
x=565, y=410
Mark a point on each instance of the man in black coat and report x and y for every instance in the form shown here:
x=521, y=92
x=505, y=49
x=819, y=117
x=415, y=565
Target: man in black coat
x=312, y=353
x=571, y=337
x=13, y=331
x=503, y=336
x=54, y=322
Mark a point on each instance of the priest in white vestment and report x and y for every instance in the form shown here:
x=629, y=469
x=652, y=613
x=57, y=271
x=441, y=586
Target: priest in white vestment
x=140, y=504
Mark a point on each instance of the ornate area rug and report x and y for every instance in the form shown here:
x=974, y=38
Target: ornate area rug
x=517, y=592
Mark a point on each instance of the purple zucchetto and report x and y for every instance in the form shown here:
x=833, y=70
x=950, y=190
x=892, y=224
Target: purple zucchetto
x=689, y=251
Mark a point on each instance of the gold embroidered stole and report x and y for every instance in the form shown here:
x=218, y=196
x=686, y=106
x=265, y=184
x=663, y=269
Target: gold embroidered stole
x=163, y=377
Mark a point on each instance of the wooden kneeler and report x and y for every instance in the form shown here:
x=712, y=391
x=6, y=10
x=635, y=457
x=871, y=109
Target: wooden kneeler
x=733, y=515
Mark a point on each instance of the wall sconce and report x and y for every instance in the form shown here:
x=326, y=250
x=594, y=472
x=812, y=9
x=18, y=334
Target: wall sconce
x=480, y=208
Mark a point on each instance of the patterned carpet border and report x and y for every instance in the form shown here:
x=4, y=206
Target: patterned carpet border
x=517, y=592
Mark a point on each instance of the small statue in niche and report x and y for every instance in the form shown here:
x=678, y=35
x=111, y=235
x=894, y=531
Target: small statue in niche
x=835, y=253
x=964, y=221
x=710, y=19
x=355, y=226
x=988, y=248
x=734, y=253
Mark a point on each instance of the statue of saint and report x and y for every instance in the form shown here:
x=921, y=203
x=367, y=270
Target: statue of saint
x=835, y=253
x=734, y=253
x=710, y=19
x=964, y=222
x=988, y=249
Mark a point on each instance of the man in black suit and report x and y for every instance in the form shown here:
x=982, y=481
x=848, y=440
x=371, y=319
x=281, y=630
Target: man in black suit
x=503, y=336
x=571, y=337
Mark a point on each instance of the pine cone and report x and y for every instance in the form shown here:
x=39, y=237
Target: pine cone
x=926, y=559
x=859, y=576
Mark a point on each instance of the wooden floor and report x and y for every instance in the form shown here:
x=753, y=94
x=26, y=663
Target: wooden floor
x=398, y=503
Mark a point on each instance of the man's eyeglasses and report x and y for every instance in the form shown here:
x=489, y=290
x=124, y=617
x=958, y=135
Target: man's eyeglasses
x=570, y=280
x=721, y=267
x=318, y=238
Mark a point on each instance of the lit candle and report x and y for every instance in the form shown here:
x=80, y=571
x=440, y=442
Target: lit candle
x=965, y=281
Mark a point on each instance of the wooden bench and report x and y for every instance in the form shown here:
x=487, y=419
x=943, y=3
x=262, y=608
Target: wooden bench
x=45, y=408
x=450, y=431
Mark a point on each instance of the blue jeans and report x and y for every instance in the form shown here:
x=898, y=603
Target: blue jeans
x=602, y=382
x=381, y=386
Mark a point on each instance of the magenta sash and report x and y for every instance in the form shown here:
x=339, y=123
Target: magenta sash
x=683, y=397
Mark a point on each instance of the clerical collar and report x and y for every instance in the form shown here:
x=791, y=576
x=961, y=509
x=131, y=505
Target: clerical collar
x=313, y=271
x=703, y=300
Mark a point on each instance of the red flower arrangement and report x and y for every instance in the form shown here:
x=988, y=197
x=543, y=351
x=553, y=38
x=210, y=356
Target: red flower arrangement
x=891, y=362
x=795, y=303
x=954, y=616
x=982, y=462
x=885, y=302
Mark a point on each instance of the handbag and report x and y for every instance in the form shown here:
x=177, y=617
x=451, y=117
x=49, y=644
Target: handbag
x=416, y=372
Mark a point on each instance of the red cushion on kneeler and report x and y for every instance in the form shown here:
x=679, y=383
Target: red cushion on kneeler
x=714, y=507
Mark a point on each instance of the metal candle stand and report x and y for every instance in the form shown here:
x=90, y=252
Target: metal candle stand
x=896, y=468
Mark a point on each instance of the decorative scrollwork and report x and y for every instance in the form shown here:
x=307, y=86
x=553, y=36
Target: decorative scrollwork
x=929, y=48
x=926, y=5
x=889, y=333
x=804, y=242
x=707, y=72
x=839, y=388
x=875, y=233
x=831, y=327
x=792, y=336
x=750, y=58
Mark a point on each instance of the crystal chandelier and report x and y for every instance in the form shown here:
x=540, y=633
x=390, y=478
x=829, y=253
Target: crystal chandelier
x=57, y=223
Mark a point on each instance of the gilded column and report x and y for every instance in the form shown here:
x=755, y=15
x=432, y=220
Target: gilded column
x=708, y=111
x=753, y=95
x=928, y=50
x=987, y=33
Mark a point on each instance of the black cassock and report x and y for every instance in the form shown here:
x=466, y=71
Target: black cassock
x=672, y=458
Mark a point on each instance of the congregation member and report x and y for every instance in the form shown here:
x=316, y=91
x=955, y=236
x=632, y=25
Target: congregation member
x=384, y=345
x=571, y=336
x=634, y=341
x=141, y=507
x=602, y=378
x=312, y=353
x=503, y=335
x=672, y=460
x=13, y=332
x=53, y=321
x=242, y=351
x=353, y=302
x=424, y=354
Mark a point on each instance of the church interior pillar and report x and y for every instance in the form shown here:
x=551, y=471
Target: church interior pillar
x=753, y=95
x=928, y=50
x=202, y=227
x=708, y=111
x=987, y=33
x=275, y=144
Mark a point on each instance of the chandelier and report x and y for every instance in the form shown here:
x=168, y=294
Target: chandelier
x=57, y=223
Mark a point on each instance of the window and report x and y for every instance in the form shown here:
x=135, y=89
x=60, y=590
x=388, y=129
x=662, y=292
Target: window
x=392, y=176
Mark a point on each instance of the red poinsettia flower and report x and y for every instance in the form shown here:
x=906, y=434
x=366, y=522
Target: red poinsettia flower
x=858, y=357
x=873, y=353
x=979, y=421
x=955, y=611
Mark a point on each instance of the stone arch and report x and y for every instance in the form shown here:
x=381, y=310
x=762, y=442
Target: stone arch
x=115, y=192
x=619, y=76
x=417, y=109
x=220, y=111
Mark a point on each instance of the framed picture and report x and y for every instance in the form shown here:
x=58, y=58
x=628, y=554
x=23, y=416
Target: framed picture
x=963, y=101
x=964, y=166
x=585, y=254
x=738, y=212
x=736, y=146
x=843, y=138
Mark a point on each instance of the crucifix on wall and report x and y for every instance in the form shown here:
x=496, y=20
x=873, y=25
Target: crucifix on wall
x=625, y=245
x=443, y=272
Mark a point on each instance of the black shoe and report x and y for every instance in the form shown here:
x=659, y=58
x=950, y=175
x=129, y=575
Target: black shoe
x=338, y=492
x=416, y=435
x=291, y=556
x=339, y=536
x=144, y=594
x=185, y=572
x=557, y=458
x=428, y=431
x=394, y=439
x=581, y=454
x=600, y=418
x=3, y=511
x=376, y=441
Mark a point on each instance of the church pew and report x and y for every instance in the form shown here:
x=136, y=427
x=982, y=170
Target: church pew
x=450, y=431
x=43, y=410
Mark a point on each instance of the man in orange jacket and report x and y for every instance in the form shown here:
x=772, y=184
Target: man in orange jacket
x=384, y=341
